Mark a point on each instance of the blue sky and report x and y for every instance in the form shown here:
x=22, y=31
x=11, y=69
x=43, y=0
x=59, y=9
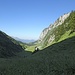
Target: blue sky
x=27, y=18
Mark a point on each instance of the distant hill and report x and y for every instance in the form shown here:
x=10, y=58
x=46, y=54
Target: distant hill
x=24, y=40
x=8, y=45
x=62, y=28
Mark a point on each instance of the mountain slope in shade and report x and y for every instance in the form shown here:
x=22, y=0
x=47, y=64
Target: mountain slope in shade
x=8, y=46
x=57, y=59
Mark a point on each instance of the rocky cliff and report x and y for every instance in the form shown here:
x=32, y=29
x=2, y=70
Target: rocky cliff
x=58, y=22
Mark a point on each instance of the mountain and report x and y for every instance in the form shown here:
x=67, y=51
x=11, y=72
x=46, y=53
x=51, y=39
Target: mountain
x=57, y=58
x=8, y=46
x=24, y=40
x=63, y=25
x=58, y=22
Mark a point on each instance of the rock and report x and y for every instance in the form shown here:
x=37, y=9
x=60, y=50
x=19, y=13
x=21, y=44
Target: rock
x=58, y=22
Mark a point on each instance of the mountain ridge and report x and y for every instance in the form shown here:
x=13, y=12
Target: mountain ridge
x=58, y=22
x=55, y=31
x=24, y=40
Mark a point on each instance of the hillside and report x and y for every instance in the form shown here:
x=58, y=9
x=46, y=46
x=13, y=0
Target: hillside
x=63, y=25
x=8, y=46
x=57, y=59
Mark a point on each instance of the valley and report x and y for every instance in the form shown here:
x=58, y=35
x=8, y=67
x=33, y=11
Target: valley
x=55, y=57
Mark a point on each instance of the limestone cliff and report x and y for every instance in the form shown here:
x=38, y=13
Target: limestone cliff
x=58, y=22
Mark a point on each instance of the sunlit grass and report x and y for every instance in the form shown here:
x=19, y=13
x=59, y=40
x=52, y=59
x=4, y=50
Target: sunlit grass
x=30, y=48
x=66, y=35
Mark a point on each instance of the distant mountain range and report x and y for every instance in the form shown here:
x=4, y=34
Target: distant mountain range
x=24, y=40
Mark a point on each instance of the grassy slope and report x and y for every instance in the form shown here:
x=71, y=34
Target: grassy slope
x=57, y=59
x=8, y=46
x=66, y=35
x=30, y=48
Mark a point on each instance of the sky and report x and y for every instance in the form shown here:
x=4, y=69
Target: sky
x=26, y=19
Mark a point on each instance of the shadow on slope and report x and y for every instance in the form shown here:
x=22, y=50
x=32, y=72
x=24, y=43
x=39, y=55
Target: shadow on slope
x=65, y=45
x=58, y=59
x=9, y=46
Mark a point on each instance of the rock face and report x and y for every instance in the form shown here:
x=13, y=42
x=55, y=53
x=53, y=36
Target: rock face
x=44, y=32
x=58, y=22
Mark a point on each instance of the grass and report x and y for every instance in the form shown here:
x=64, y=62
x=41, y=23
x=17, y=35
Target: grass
x=66, y=35
x=57, y=59
x=30, y=48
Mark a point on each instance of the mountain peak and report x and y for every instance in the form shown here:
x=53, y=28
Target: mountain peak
x=58, y=22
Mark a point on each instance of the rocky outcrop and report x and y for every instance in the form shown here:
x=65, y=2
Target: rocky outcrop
x=58, y=22
x=44, y=32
